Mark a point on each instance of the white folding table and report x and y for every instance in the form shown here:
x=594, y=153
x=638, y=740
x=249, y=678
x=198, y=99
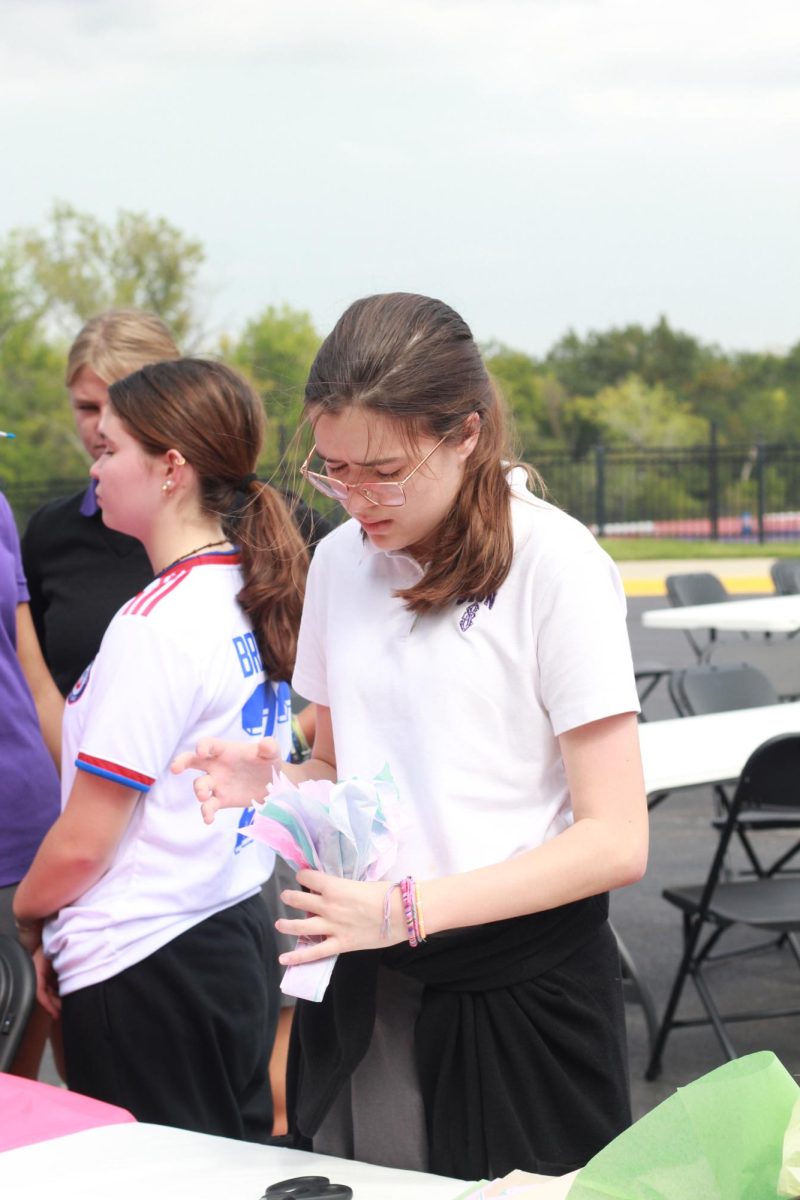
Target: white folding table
x=766, y=614
x=153, y=1162
x=692, y=751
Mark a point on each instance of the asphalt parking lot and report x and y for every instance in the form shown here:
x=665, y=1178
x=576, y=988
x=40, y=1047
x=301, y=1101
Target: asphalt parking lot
x=680, y=849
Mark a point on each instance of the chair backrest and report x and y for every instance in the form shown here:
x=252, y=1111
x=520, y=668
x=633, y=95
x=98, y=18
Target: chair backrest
x=703, y=689
x=17, y=996
x=771, y=776
x=695, y=587
x=785, y=574
x=770, y=779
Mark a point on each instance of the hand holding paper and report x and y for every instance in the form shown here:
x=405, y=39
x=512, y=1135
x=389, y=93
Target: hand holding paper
x=347, y=830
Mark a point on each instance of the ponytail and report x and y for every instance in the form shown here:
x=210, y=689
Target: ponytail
x=274, y=564
x=216, y=420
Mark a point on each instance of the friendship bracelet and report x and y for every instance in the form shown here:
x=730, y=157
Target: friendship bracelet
x=420, y=922
x=407, y=893
x=412, y=911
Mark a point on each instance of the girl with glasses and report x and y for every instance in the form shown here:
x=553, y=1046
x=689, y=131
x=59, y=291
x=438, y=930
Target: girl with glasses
x=152, y=920
x=471, y=636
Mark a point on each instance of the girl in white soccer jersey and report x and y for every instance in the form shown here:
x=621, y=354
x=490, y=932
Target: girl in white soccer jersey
x=153, y=922
x=472, y=637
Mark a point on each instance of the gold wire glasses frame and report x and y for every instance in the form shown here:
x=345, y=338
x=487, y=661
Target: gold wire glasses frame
x=375, y=491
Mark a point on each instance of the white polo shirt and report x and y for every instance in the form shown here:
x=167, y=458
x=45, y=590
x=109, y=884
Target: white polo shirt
x=465, y=706
x=178, y=662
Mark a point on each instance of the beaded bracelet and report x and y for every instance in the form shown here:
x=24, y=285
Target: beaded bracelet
x=409, y=909
x=412, y=911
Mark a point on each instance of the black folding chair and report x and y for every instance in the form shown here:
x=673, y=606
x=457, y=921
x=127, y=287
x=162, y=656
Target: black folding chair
x=696, y=587
x=648, y=675
x=703, y=689
x=785, y=574
x=770, y=780
x=17, y=996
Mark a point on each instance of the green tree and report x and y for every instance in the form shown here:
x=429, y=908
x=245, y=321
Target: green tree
x=78, y=266
x=647, y=416
x=34, y=408
x=603, y=359
x=275, y=351
x=516, y=374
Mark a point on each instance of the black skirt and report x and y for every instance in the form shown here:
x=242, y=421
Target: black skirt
x=520, y=1041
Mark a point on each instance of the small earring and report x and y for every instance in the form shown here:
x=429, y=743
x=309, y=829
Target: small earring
x=167, y=485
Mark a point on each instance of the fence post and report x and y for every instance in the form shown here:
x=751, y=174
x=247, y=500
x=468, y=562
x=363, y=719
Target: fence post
x=713, y=482
x=761, y=485
x=600, y=488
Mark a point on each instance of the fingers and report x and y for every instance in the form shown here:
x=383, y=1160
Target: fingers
x=47, y=985
x=184, y=762
x=315, y=881
x=311, y=900
x=304, y=927
x=269, y=750
x=50, y=1002
x=209, y=809
x=209, y=803
x=197, y=759
x=233, y=774
x=310, y=950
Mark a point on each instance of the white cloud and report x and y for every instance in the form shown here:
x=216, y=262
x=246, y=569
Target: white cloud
x=542, y=158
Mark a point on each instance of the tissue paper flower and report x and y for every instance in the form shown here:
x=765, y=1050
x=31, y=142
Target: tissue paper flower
x=347, y=829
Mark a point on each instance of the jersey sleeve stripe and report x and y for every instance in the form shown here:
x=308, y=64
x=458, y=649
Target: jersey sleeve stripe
x=114, y=772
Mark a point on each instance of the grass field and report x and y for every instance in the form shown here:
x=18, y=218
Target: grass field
x=633, y=549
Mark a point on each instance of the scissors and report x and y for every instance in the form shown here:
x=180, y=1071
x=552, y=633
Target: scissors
x=308, y=1187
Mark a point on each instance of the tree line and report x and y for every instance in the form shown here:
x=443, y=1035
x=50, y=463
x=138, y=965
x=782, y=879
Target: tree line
x=629, y=386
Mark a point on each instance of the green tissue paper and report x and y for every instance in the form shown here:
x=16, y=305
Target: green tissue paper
x=789, y=1178
x=719, y=1138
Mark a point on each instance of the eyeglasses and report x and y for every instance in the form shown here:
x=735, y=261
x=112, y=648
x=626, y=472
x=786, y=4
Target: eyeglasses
x=375, y=491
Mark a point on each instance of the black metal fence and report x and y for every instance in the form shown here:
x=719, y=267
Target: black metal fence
x=740, y=492
x=747, y=492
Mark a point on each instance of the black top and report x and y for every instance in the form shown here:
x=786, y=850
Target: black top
x=80, y=573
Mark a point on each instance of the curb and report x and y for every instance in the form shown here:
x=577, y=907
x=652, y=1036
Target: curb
x=742, y=584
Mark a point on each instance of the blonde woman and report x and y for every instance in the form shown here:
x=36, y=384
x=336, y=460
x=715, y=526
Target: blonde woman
x=79, y=572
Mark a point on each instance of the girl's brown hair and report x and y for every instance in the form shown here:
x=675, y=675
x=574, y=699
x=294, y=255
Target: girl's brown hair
x=215, y=419
x=414, y=360
x=119, y=341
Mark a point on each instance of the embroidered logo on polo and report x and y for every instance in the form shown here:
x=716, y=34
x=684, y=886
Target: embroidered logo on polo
x=471, y=611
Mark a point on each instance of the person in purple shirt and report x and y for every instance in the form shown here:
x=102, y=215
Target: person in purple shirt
x=29, y=796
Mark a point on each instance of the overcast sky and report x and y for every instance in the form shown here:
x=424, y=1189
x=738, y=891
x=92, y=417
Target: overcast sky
x=539, y=164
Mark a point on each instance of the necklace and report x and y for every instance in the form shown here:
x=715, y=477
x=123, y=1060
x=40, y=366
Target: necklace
x=191, y=553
